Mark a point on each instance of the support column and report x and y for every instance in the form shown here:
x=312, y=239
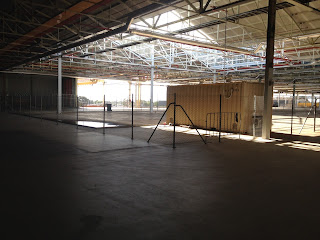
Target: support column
x=59, y=84
x=136, y=91
x=305, y=99
x=152, y=78
x=139, y=95
x=268, y=83
x=129, y=97
x=312, y=99
x=285, y=100
x=214, y=77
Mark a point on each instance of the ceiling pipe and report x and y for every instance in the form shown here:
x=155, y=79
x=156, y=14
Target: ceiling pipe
x=192, y=28
x=300, y=49
x=200, y=44
x=189, y=42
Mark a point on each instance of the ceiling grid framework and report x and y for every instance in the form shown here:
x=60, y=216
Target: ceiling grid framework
x=194, y=41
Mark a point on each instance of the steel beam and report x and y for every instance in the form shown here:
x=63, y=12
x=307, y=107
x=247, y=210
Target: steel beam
x=268, y=83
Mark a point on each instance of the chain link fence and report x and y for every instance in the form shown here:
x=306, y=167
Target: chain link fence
x=181, y=122
x=128, y=119
x=296, y=114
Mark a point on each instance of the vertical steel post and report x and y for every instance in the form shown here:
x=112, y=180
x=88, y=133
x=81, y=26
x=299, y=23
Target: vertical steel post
x=57, y=114
x=35, y=103
x=59, y=102
x=104, y=113
x=293, y=103
x=268, y=82
x=174, y=121
x=220, y=120
x=254, y=114
x=5, y=103
x=239, y=125
x=152, y=78
x=132, y=117
x=41, y=107
x=30, y=107
x=20, y=103
x=315, y=114
x=77, y=112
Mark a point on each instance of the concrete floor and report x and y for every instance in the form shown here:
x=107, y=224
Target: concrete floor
x=59, y=182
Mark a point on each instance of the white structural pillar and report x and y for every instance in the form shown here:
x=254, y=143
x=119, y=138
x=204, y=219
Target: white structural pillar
x=59, y=84
x=268, y=83
x=152, y=78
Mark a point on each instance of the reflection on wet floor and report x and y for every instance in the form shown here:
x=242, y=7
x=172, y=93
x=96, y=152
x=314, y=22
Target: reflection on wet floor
x=97, y=124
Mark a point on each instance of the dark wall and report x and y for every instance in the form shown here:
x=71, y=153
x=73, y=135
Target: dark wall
x=68, y=85
x=34, y=85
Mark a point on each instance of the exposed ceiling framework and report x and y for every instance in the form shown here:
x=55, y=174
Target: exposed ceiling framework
x=188, y=41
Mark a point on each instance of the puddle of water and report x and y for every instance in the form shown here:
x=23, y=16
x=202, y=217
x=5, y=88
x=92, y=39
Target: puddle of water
x=96, y=124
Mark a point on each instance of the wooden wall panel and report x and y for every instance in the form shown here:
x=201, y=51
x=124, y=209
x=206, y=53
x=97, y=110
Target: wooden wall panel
x=198, y=100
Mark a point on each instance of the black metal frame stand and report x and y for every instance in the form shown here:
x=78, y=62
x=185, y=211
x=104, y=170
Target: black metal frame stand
x=174, y=122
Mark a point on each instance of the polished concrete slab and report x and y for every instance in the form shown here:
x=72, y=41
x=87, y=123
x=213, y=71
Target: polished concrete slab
x=59, y=182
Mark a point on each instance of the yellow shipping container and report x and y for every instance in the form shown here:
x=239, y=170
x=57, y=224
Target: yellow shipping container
x=199, y=100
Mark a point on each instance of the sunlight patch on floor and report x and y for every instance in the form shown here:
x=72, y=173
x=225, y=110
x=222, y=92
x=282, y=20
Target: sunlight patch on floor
x=215, y=134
